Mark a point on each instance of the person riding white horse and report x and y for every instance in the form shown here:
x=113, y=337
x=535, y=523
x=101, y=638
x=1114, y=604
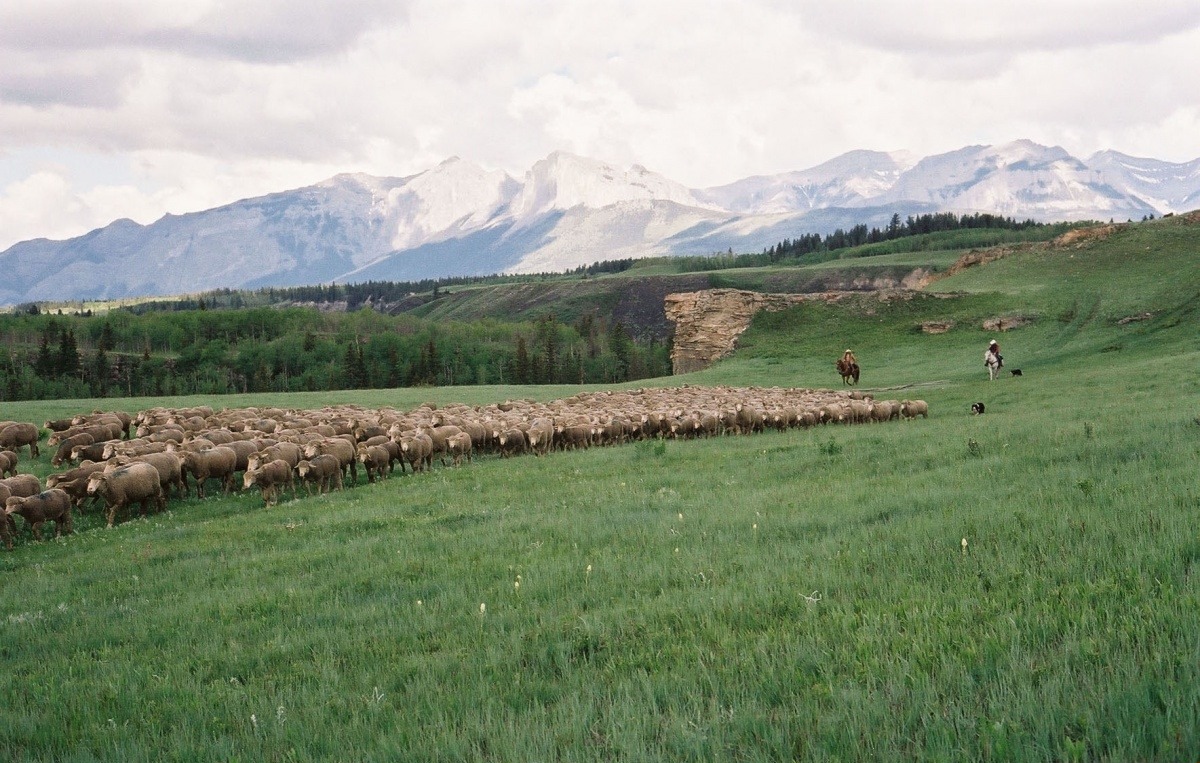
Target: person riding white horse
x=993, y=360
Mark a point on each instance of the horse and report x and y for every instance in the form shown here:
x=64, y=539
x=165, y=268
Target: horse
x=993, y=363
x=848, y=370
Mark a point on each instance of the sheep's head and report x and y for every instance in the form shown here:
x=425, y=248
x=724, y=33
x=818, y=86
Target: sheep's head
x=95, y=481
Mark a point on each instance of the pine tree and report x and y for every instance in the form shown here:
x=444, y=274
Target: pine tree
x=521, y=366
x=68, y=355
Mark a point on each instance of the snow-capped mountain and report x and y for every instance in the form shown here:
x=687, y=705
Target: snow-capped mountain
x=1164, y=186
x=460, y=219
x=849, y=180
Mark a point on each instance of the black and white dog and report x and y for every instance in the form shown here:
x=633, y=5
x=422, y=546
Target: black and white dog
x=977, y=408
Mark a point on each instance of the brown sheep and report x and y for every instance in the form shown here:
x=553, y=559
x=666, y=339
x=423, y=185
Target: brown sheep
x=910, y=409
x=459, y=446
x=51, y=505
x=375, y=459
x=23, y=485
x=575, y=436
x=8, y=463
x=18, y=435
x=439, y=435
x=512, y=442
x=288, y=451
x=169, y=466
x=216, y=463
x=83, y=471
x=418, y=451
x=269, y=478
x=321, y=471
x=93, y=452
x=99, y=433
x=541, y=436
x=339, y=448
x=135, y=483
x=65, y=447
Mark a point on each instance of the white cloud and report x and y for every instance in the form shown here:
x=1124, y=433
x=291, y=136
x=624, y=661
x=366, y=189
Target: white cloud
x=201, y=102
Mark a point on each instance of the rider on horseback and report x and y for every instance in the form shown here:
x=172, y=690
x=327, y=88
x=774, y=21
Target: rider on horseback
x=847, y=366
x=993, y=360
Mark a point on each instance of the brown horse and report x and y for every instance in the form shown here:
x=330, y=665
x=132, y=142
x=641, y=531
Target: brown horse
x=848, y=370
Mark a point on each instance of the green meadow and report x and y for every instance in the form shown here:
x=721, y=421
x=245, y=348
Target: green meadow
x=1021, y=585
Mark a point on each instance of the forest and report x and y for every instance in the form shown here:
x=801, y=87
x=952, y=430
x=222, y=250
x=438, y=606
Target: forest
x=205, y=351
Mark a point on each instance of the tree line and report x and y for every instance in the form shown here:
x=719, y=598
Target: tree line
x=125, y=354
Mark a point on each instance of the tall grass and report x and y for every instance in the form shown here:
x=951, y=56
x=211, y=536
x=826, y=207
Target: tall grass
x=799, y=595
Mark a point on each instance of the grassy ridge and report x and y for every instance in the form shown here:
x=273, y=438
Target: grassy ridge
x=799, y=595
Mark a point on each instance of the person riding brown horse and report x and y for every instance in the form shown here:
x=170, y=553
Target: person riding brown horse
x=847, y=366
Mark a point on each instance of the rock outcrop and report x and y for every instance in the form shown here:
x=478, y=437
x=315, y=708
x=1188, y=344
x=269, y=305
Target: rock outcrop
x=708, y=323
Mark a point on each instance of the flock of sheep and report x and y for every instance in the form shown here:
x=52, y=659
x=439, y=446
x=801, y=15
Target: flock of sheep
x=143, y=459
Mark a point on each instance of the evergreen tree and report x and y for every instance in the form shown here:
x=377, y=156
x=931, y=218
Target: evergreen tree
x=521, y=364
x=622, y=349
x=100, y=371
x=68, y=354
x=44, y=365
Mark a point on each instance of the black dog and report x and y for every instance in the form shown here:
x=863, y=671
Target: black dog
x=977, y=408
x=1016, y=372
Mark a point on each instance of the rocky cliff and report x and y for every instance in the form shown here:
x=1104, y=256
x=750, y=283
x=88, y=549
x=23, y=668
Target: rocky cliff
x=708, y=323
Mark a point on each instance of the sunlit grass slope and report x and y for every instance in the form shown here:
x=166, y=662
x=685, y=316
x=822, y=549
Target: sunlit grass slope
x=801, y=595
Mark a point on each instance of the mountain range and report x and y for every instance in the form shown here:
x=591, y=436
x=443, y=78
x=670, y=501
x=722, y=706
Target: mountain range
x=460, y=219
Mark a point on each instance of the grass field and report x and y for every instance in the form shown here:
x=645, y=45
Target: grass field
x=801, y=595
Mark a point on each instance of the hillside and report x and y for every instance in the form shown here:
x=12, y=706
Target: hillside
x=1020, y=585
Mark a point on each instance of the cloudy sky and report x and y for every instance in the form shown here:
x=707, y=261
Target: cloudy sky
x=137, y=108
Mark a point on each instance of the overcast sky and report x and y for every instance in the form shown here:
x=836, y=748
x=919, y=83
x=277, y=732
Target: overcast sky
x=137, y=108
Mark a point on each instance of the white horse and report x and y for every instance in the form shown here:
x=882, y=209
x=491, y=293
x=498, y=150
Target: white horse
x=993, y=363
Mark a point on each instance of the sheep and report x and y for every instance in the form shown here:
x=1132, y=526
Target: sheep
x=66, y=446
x=217, y=463
x=135, y=447
x=18, y=435
x=439, y=435
x=459, y=446
x=418, y=451
x=512, y=441
x=321, y=470
x=910, y=409
x=169, y=466
x=99, y=432
x=341, y=449
x=23, y=485
x=375, y=458
x=270, y=477
x=50, y=505
x=884, y=410
x=138, y=483
x=83, y=471
x=8, y=463
x=57, y=425
x=93, y=452
x=288, y=451
x=749, y=420
x=541, y=436
x=243, y=449
x=575, y=436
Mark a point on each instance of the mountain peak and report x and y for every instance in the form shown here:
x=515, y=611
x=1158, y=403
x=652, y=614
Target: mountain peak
x=563, y=181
